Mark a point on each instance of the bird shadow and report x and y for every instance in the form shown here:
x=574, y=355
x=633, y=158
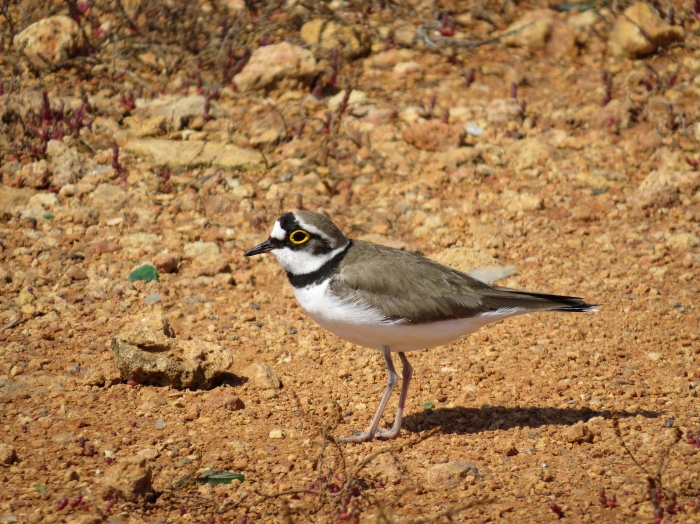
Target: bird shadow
x=466, y=420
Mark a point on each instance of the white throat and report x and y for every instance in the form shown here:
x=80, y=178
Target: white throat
x=300, y=262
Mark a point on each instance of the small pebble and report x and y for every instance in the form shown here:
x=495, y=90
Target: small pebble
x=276, y=434
x=152, y=298
x=474, y=129
x=160, y=423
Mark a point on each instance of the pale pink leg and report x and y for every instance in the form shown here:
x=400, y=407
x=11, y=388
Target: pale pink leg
x=407, y=374
x=392, y=379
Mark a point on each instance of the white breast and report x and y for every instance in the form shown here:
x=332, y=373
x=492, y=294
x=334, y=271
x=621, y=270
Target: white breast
x=368, y=327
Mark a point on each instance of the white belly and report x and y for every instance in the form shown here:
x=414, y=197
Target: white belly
x=368, y=328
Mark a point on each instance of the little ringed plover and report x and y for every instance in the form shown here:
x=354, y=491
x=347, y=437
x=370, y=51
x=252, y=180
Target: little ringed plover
x=391, y=300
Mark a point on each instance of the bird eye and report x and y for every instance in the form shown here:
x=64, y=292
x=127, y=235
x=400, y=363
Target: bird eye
x=299, y=237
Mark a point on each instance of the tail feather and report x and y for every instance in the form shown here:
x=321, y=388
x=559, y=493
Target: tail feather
x=539, y=301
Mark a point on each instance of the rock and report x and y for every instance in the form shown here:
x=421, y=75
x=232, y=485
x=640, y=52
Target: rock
x=656, y=197
x=25, y=297
x=356, y=97
x=8, y=454
x=177, y=112
x=640, y=31
x=448, y=475
x=35, y=175
x=260, y=376
x=405, y=35
x=94, y=377
x=147, y=352
x=210, y=265
x=579, y=432
x=502, y=111
x=663, y=189
x=351, y=41
x=44, y=200
x=193, y=153
x=683, y=241
x=137, y=240
x=474, y=262
x=585, y=26
x=67, y=165
x=276, y=434
x=434, y=135
x=515, y=201
x=76, y=273
x=220, y=398
x=506, y=447
x=145, y=127
x=267, y=131
x=387, y=469
x=277, y=66
x=50, y=41
x=5, y=276
x=406, y=68
x=532, y=31
x=128, y=480
x=166, y=262
x=199, y=248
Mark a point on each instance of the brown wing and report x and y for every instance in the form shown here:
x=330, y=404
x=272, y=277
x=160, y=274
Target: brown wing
x=406, y=286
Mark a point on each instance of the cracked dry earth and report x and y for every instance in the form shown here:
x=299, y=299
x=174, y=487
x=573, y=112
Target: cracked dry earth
x=525, y=421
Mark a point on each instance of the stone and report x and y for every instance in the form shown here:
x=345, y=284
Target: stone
x=128, y=480
x=579, y=432
x=261, y=376
x=474, y=262
x=449, y=474
x=655, y=196
x=94, y=377
x=221, y=399
x=166, y=262
x=276, y=434
x=67, y=165
x=269, y=130
x=515, y=201
x=356, y=97
x=682, y=241
x=503, y=110
x=107, y=197
x=387, y=469
x=506, y=447
x=640, y=31
x=199, y=248
x=5, y=276
x=277, y=66
x=8, y=455
x=145, y=127
x=193, y=153
x=50, y=41
x=210, y=265
x=138, y=240
x=531, y=31
x=434, y=135
x=663, y=189
x=25, y=297
x=177, y=112
x=350, y=41
x=147, y=351
x=35, y=175
x=48, y=200
x=76, y=273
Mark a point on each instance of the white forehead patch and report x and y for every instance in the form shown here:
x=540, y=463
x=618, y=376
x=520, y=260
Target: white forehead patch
x=311, y=229
x=277, y=232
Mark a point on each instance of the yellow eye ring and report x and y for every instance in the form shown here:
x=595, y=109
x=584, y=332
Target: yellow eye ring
x=299, y=237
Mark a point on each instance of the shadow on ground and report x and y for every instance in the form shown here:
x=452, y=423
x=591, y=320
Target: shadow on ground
x=463, y=420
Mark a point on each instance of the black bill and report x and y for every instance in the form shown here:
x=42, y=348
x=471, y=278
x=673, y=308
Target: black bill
x=259, y=249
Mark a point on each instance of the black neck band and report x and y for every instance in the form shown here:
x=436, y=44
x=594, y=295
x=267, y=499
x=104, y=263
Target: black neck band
x=321, y=274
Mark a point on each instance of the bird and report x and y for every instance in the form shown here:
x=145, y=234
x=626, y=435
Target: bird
x=391, y=300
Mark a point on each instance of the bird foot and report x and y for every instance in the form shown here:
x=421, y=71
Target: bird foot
x=364, y=436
